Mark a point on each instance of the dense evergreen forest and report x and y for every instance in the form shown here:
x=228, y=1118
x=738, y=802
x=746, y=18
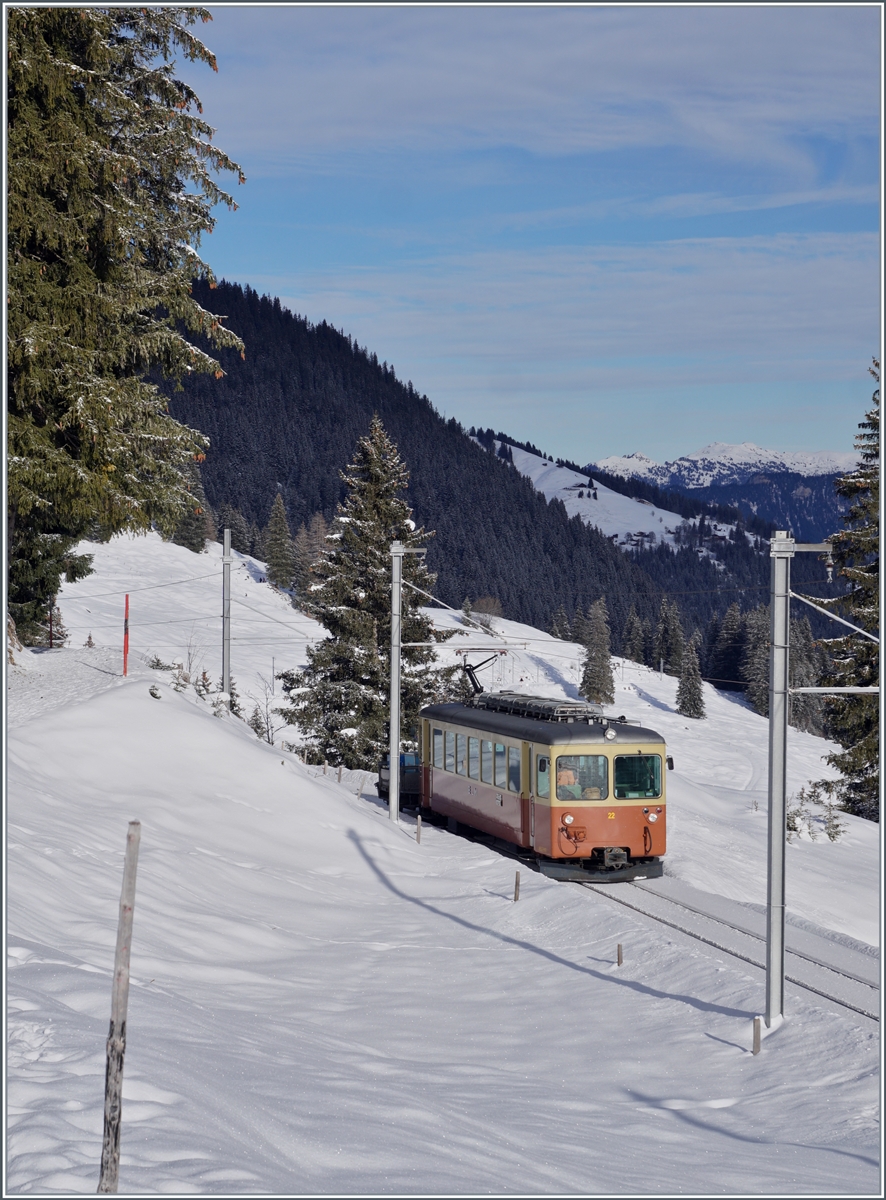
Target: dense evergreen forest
x=286, y=420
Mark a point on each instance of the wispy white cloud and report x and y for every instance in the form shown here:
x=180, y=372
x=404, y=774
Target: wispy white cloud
x=740, y=82
x=787, y=303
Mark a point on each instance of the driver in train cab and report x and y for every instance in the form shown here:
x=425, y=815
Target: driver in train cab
x=567, y=784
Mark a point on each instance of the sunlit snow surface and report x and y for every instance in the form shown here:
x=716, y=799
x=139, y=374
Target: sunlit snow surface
x=320, y=1006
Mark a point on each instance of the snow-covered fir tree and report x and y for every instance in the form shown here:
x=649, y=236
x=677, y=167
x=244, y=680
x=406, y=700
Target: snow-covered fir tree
x=279, y=553
x=597, y=683
x=111, y=179
x=191, y=530
x=257, y=542
x=308, y=547
x=755, y=659
x=725, y=663
x=231, y=518
x=581, y=629
x=668, y=646
x=853, y=720
x=340, y=700
x=690, y=698
x=634, y=638
x=560, y=627
x=806, y=661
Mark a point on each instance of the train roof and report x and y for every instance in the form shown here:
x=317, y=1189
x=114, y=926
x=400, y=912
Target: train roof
x=541, y=719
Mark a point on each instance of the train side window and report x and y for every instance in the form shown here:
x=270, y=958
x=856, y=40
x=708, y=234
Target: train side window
x=461, y=765
x=501, y=766
x=473, y=758
x=543, y=777
x=514, y=768
x=486, y=762
x=450, y=751
x=438, y=748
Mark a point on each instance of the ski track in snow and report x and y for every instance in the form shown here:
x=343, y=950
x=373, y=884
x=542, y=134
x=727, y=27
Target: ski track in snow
x=320, y=1006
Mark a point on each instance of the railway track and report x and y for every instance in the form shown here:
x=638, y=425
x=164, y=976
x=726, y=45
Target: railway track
x=802, y=969
x=861, y=995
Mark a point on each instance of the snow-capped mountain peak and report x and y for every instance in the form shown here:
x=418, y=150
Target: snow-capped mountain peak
x=726, y=463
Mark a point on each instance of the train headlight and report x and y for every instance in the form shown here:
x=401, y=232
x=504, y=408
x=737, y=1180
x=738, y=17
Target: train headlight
x=610, y=734
x=653, y=817
x=568, y=819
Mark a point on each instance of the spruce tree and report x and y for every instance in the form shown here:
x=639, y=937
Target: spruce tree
x=708, y=645
x=806, y=664
x=853, y=720
x=690, y=698
x=318, y=531
x=725, y=669
x=302, y=560
x=560, y=625
x=340, y=699
x=755, y=659
x=597, y=683
x=634, y=638
x=190, y=531
x=231, y=518
x=257, y=542
x=581, y=628
x=278, y=546
x=110, y=184
x=668, y=646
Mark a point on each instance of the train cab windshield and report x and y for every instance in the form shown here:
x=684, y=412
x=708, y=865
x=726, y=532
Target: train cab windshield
x=637, y=776
x=582, y=777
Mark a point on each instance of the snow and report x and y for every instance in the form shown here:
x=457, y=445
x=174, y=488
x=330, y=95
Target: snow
x=320, y=1005
x=723, y=462
x=628, y=522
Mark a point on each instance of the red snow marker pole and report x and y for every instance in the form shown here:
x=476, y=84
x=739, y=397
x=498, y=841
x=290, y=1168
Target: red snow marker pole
x=126, y=633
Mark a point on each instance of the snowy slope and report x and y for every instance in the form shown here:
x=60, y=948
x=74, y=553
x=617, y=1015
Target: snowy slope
x=722, y=463
x=321, y=1006
x=175, y=604
x=626, y=521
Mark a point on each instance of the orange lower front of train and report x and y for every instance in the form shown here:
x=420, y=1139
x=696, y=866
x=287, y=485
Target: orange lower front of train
x=608, y=840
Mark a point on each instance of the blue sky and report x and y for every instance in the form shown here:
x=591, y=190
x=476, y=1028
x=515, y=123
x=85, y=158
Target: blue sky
x=604, y=229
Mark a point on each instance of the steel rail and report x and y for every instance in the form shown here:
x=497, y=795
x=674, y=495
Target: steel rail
x=735, y=954
x=750, y=933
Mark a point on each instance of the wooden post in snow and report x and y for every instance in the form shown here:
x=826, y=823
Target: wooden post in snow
x=517, y=888
x=117, y=1033
x=418, y=829
x=618, y=954
x=757, y=1031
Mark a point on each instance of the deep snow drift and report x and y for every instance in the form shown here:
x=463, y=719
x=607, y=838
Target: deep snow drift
x=319, y=1005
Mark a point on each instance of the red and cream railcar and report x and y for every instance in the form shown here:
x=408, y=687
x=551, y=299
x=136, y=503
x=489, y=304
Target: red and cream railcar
x=584, y=791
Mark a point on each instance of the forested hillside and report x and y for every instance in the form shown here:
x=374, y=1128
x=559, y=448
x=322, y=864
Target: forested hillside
x=808, y=505
x=286, y=420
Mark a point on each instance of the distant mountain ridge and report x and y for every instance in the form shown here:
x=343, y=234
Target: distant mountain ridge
x=723, y=463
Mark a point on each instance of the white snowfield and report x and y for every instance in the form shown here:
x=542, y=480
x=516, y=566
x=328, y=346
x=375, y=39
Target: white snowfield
x=628, y=522
x=724, y=462
x=320, y=1006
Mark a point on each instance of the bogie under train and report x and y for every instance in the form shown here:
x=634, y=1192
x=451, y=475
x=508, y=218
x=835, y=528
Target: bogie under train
x=584, y=791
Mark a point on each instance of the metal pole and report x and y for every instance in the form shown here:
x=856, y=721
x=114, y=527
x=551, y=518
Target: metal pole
x=781, y=551
x=126, y=635
x=226, y=615
x=117, y=1033
x=397, y=550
